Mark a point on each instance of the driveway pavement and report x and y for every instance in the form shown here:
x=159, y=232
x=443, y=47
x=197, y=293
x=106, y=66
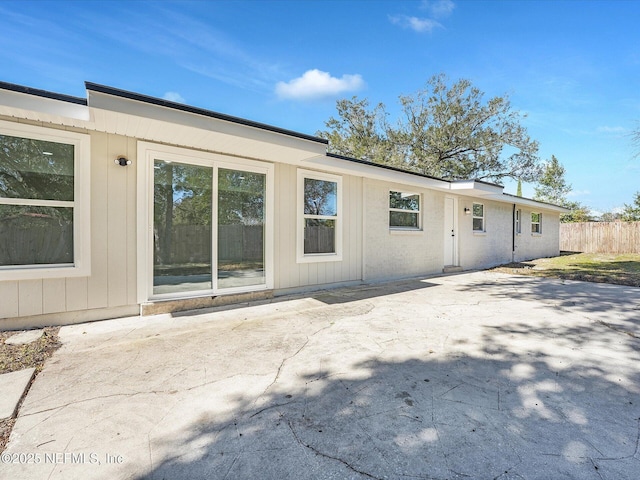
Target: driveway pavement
x=473, y=376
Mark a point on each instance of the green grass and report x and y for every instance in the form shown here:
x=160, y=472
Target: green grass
x=620, y=269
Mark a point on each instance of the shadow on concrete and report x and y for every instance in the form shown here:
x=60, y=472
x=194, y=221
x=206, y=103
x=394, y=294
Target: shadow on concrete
x=327, y=296
x=515, y=406
x=574, y=296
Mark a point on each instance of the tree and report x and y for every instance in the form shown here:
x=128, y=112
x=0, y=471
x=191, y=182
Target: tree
x=578, y=213
x=445, y=131
x=519, y=189
x=610, y=217
x=631, y=213
x=552, y=186
x=361, y=132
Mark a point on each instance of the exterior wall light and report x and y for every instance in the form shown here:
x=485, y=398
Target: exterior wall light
x=122, y=161
x=467, y=211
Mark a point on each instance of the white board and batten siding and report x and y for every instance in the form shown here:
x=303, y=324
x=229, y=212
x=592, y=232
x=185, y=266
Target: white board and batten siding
x=112, y=283
x=289, y=274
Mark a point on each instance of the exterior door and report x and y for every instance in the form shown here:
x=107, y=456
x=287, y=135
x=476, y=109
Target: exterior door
x=450, y=232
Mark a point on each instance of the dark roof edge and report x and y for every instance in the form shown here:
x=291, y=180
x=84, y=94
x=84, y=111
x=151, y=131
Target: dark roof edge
x=537, y=201
x=42, y=93
x=387, y=167
x=198, y=111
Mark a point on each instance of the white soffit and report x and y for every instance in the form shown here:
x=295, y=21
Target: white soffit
x=505, y=198
x=33, y=107
x=146, y=121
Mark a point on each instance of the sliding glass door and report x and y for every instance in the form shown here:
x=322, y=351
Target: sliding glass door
x=182, y=214
x=190, y=203
x=241, y=222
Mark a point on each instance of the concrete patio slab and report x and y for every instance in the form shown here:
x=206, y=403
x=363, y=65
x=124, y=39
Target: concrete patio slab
x=23, y=338
x=478, y=375
x=12, y=386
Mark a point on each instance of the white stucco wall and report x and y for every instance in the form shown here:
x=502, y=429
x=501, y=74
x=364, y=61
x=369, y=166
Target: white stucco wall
x=392, y=253
x=495, y=245
x=530, y=245
x=491, y=247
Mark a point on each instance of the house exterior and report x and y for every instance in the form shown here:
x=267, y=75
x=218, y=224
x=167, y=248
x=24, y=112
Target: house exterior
x=121, y=204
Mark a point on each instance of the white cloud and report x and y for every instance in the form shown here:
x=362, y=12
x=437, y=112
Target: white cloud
x=438, y=8
x=174, y=97
x=578, y=193
x=607, y=129
x=315, y=84
x=414, y=23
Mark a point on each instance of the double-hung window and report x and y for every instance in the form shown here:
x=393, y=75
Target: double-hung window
x=518, y=221
x=319, y=217
x=478, y=217
x=404, y=210
x=536, y=223
x=44, y=202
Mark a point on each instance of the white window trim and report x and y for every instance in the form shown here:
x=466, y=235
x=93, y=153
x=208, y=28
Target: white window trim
x=539, y=223
x=483, y=217
x=147, y=154
x=81, y=142
x=418, y=212
x=301, y=257
x=518, y=221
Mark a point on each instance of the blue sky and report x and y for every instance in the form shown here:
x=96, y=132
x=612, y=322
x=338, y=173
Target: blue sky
x=572, y=66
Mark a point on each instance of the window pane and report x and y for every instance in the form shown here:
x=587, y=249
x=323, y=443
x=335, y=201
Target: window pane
x=478, y=210
x=241, y=197
x=35, y=169
x=404, y=201
x=403, y=219
x=535, y=217
x=478, y=224
x=320, y=197
x=319, y=236
x=182, y=227
x=35, y=235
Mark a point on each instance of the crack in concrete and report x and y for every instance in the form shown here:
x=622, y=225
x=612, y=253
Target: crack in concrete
x=284, y=360
x=617, y=329
x=331, y=457
x=235, y=459
x=596, y=468
x=270, y=407
x=626, y=457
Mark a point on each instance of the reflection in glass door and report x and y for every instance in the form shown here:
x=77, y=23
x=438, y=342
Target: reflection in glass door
x=182, y=213
x=241, y=228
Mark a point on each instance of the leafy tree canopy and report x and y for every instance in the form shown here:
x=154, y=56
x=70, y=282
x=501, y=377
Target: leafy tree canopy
x=447, y=131
x=631, y=213
x=552, y=186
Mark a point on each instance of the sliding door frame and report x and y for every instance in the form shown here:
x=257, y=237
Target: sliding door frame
x=147, y=154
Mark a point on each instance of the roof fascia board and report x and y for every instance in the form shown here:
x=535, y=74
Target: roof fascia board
x=507, y=198
x=473, y=187
x=106, y=98
x=42, y=105
x=375, y=172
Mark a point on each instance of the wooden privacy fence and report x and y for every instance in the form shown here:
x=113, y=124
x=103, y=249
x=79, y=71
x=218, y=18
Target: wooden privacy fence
x=47, y=240
x=236, y=243
x=600, y=237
